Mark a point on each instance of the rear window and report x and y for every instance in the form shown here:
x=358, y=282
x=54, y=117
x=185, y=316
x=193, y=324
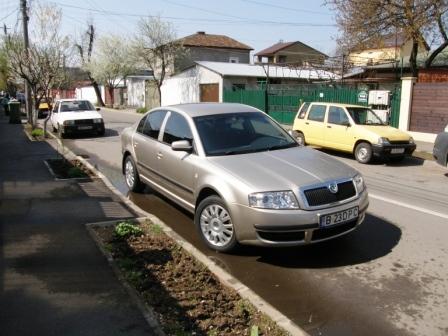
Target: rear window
x=303, y=110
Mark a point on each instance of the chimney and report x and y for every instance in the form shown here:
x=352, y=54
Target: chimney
x=201, y=32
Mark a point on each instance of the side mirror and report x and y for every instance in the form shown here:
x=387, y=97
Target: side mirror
x=182, y=146
x=98, y=109
x=346, y=124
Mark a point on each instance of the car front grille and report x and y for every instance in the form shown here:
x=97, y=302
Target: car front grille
x=399, y=142
x=321, y=195
x=84, y=122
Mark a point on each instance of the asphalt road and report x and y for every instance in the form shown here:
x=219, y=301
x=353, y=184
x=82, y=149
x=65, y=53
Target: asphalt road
x=389, y=277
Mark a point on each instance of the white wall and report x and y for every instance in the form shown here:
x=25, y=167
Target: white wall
x=184, y=88
x=88, y=93
x=136, y=92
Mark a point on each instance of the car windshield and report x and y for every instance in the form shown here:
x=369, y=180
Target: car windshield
x=364, y=116
x=238, y=133
x=76, y=105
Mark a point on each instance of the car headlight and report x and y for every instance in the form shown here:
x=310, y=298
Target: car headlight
x=359, y=183
x=411, y=140
x=69, y=122
x=383, y=141
x=274, y=200
x=97, y=121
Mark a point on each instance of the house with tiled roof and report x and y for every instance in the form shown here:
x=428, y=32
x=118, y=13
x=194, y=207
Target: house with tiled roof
x=296, y=53
x=214, y=48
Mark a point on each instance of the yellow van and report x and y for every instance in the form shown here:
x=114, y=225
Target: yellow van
x=350, y=128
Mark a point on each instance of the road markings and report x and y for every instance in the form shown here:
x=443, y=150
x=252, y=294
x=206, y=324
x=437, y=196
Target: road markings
x=409, y=206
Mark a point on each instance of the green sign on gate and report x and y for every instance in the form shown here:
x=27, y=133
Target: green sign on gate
x=363, y=96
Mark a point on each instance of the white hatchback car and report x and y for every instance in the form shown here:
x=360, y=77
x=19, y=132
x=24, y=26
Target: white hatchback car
x=71, y=116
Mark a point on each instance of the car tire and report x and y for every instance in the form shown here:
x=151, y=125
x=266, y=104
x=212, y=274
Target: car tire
x=60, y=134
x=363, y=152
x=131, y=175
x=300, y=138
x=214, y=224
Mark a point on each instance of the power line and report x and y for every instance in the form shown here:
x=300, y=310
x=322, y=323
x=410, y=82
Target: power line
x=245, y=21
x=285, y=8
x=7, y=16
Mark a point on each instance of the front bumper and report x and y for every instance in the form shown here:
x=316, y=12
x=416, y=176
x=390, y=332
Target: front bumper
x=291, y=227
x=388, y=150
x=76, y=129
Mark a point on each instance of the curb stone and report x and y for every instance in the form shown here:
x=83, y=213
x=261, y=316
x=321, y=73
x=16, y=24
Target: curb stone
x=223, y=276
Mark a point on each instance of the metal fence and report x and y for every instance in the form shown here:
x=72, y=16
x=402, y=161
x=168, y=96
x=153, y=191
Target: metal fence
x=282, y=101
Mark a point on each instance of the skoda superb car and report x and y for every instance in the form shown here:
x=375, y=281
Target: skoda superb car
x=245, y=179
x=72, y=116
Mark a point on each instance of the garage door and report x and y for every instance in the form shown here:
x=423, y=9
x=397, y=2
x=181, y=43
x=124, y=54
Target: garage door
x=209, y=93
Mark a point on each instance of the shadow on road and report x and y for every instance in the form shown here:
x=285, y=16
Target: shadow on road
x=374, y=239
x=109, y=133
x=406, y=162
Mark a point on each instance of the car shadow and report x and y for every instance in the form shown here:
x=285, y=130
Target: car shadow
x=108, y=133
x=407, y=161
x=373, y=239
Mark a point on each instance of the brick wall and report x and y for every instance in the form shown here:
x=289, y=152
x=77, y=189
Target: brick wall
x=433, y=76
x=429, y=112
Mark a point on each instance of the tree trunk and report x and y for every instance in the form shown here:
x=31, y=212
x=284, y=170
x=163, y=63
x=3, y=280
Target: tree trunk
x=96, y=87
x=160, y=94
x=413, y=58
x=111, y=95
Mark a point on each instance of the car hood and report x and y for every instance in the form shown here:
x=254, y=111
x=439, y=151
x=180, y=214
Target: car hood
x=391, y=133
x=80, y=115
x=284, y=169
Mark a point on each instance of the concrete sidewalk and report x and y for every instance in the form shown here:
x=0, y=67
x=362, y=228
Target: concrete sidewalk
x=53, y=278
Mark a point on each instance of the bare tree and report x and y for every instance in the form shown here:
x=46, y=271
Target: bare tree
x=43, y=64
x=157, y=48
x=85, y=49
x=112, y=62
x=364, y=22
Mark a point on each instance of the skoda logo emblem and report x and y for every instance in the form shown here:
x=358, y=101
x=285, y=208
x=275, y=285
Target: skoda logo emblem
x=333, y=187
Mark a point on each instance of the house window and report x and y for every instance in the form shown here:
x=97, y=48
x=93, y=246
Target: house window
x=234, y=60
x=282, y=59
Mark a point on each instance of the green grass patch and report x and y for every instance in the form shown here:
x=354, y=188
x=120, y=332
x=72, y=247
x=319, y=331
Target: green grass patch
x=37, y=132
x=142, y=110
x=75, y=172
x=127, y=229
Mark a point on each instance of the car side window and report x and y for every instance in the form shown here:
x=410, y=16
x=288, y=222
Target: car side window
x=176, y=129
x=317, y=112
x=56, y=108
x=303, y=110
x=141, y=124
x=153, y=124
x=337, y=115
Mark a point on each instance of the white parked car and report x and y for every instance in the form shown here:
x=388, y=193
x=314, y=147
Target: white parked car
x=71, y=116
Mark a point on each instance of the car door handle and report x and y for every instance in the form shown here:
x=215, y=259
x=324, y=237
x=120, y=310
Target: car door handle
x=328, y=126
x=159, y=155
x=307, y=123
x=135, y=144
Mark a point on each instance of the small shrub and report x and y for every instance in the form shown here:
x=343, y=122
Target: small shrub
x=37, y=132
x=75, y=172
x=142, y=110
x=127, y=229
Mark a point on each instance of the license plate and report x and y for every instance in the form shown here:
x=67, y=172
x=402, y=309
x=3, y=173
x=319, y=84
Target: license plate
x=339, y=217
x=85, y=127
x=397, y=151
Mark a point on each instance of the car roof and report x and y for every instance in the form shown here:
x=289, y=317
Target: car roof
x=70, y=100
x=202, y=109
x=338, y=104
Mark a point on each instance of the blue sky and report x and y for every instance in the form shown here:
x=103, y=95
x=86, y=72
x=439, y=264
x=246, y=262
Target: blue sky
x=257, y=23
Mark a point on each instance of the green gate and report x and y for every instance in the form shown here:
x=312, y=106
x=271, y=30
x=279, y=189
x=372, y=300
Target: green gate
x=284, y=101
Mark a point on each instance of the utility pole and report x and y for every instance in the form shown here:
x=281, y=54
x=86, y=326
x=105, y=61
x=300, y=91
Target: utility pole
x=25, y=19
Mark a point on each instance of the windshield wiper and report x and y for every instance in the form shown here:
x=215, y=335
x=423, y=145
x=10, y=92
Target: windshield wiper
x=281, y=146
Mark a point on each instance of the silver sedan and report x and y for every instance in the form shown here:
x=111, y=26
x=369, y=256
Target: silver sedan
x=245, y=179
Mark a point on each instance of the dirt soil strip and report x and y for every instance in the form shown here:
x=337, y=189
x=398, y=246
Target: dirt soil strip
x=224, y=277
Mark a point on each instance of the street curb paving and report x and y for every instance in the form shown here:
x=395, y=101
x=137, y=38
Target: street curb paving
x=223, y=276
